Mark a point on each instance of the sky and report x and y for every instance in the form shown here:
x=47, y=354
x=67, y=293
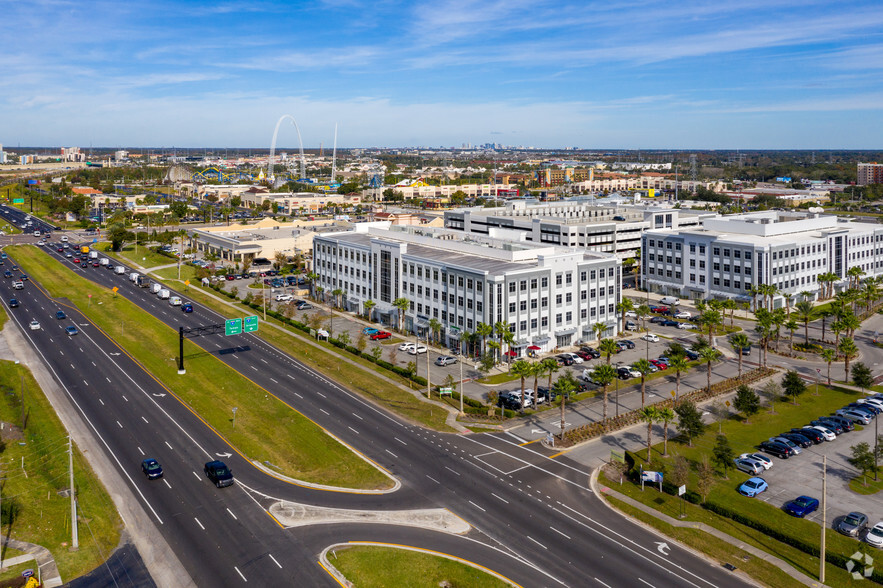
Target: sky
x=744, y=74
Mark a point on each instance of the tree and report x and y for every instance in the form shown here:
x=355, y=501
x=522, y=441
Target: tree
x=666, y=415
x=708, y=355
x=746, y=401
x=608, y=347
x=484, y=331
x=118, y=235
x=680, y=470
x=626, y=305
x=679, y=364
x=550, y=366
x=772, y=392
x=564, y=386
x=710, y=319
x=849, y=351
x=861, y=376
x=864, y=460
x=723, y=454
x=792, y=326
x=805, y=312
x=739, y=341
x=793, y=385
x=644, y=367
x=500, y=328
x=704, y=477
x=402, y=304
x=690, y=423
x=368, y=305
x=650, y=415
x=435, y=327
x=829, y=356
x=523, y=370
x=603, y=375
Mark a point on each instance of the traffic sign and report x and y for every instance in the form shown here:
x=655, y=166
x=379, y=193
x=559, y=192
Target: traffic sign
x=18, y=200
x=250, y=324
x=233, y=326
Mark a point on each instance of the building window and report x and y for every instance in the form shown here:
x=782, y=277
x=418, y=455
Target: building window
x=545, y=302
x=523, y=305
x=511, y=308
x=511, y=287
x=545, y=282
x=558, y=319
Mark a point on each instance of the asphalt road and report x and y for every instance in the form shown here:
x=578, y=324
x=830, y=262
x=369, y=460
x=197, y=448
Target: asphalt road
x=533, y=518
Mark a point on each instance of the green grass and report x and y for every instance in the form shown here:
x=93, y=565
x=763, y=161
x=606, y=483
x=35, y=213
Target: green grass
x=44, y=515
x=144, y=257
x=16, y=570
x=188, y=272
x=326, y=360
x=503, y=378
x=382, y=567
x=866, y=486
x=267, y=428
x=718, y=549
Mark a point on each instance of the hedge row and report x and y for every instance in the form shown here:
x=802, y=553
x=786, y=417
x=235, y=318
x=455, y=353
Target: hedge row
x=596, y=429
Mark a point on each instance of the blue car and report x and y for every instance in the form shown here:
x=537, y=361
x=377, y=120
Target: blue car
x=60, y=315
x=801, y=506
x=71, y=331
x=187, y=307
x=369, y=331
x=753, y=486
x=151, y=469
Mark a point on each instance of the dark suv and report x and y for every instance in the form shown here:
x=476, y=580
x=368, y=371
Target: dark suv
x=218, y=473
x=812, y=434
x=799, y=439
x=593, y=353
x=780, y=450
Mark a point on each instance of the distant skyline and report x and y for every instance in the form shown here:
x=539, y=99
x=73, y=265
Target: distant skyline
x=774, y=74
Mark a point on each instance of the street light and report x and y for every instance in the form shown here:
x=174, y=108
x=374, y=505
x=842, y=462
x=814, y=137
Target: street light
x=234, y=416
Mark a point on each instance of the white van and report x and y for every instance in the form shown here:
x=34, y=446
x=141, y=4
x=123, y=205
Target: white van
x=104, y=261
x=670, y=301
x=120, y=269
x=164, y=294
x=175, y=301
x=93, y=255
x=133, y=277
x=154, y=288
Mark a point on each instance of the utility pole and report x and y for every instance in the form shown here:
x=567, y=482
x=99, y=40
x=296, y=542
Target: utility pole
x=461, y=386
x=75, y=540
x=428, y=389
x=824, y=518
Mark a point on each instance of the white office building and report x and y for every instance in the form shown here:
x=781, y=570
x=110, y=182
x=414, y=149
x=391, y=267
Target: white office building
x=549, y=296
x=728, y=256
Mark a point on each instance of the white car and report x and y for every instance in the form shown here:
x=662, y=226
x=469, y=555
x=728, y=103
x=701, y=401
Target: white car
x=827, y=433
x=284, y=297
x=686, y=326
x=872, y=401
x=576, y=358
x=763, y=460
x=406, y=346
x=631, y=314
x=875, y=535
x=35, y=325
x=682, y=314
x=650, y=337
x=418, y=349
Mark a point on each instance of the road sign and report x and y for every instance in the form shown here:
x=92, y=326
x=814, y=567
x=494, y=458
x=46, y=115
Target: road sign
x=442, y=391
x=250, y=324
x=616, y=455
x=115, y=289
x=682, y=490
x=233, y=326
x=18, y=200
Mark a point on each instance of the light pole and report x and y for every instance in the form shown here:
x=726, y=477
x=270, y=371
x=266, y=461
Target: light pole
x=461, y=385
x=234, y=417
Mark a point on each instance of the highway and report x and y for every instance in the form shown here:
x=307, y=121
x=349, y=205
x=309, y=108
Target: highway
x=533, y=518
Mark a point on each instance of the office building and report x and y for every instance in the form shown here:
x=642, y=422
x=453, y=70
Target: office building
x=869, y=173
x=548, y=296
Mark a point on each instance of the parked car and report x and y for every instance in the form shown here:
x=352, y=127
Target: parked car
x=686, y=326
x=854, y=415
x=631, y=314
x=798, y=439
x=831, y=425
x=656, y=320
x=691, y=355
x=650, y=337
x=445, y=360
x=218, y=473
x=564, y=359
x=681, y=314
x=844, y=423
x=763, y=460
x=585, y=356
x=869, y=408
x=795, y=448
x=660, y=365
x=406, y=346
x=811, y=434
x=853, y=524
x=627, y=371
x=369, y=331
x=780, y=450
x=826, y=432
x=753, y=486
x=658, y=309
x=151, y=468
x=380, y=335
x=283, y=297
x=627, y=343
x=801, y=506
x=574, y=356
x=304, y=306
x=418, y=349
x=875, y=535
x=594, y=353
x=749, y=466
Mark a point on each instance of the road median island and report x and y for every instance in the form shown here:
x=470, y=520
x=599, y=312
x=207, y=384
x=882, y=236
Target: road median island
x=36, y=503
x=712, y=497
x=266, y=428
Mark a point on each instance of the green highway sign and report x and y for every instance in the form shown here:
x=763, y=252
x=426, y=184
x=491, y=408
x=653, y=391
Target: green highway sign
x=233, y=326
x=18, y=200
x=250, y=324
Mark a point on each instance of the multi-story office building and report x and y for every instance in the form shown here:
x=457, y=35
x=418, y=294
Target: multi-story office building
x=548, y=296
x=572, y=223
x=728, y=256
x=869, y=173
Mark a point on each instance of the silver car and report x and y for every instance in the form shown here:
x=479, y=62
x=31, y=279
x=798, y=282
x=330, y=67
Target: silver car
x=853, y=524
x=749, y=466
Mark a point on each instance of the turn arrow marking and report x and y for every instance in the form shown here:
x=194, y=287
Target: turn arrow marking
x=159, y=395
x=223, y=454
x=662, y=548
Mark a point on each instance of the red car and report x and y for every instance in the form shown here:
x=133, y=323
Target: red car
x=659, y=364
x=76, y=260
x=584, y=354
x=95, y=264
x=381, y=335
x=60, y=250
x=658, y=308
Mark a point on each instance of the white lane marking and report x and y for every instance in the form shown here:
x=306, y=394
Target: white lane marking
x=167, y=483
x=108, y=379
x=93, y=364
x=433, y=479
x=254, y=368
x=646, y=582
x=232, y=515
x=101, y=401
x=85, y=382
x=197, y=476
x=263, y=360
x=353, y=430
x=450, y=470
x=145, y=420
x=124, y=398
x=602, y=583
x=141, y=450
x=320, y=394
x=290, y=376
x=325, y=411
x=476, y=506
x=520, y=440
x=537, y=542
x=559, y=532
x=119, y=424
x=198, y=523
x=399, y=440
x=391, y=453
x=503, y=499
x=274, y=560
x=169, y=446
x=298, y=395
x=274, y=381
x=358, y=417
x=240, y=574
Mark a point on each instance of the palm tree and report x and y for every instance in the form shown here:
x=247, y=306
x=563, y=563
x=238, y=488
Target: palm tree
x=837, y=328
x=603, y=375
x=599, y=329
x=754, y=293
x=626, y=305
x=708, y=355
x=778, y=319
x=650, y=415
x=849, y=351
x=645, y=367
x=608, y=347
x=739, y=341
x=402, y=304
x=830, y=356
x=792, y=326
x=484, y=331
x=731, y=305
x=435, y=327
x=523, y=369
x=679, y=364
x=499, y=328
x=536, y=370
x=564, y=386
x=854, y=274
x=805, y=312
x=824, y=314
x=550, y=366
x=666, y=415
x=710, y=319
x=850, y=323
x=643, y=311
x=494, y=347
x=312, y=277
x=509, y=340
x=368, y=305
x=337, y=293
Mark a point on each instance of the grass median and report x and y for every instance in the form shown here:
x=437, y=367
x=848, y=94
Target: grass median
x=325, y=358
x=142, y=256
x=266, y=428
x=379, y=567
x=36, y=506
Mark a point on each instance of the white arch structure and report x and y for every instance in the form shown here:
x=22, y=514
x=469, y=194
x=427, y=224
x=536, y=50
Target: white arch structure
x=303, y=161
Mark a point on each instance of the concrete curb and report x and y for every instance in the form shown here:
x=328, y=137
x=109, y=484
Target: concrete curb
x=43, y=558
x=293, y=514
x=754, y=551
x=397, y=484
